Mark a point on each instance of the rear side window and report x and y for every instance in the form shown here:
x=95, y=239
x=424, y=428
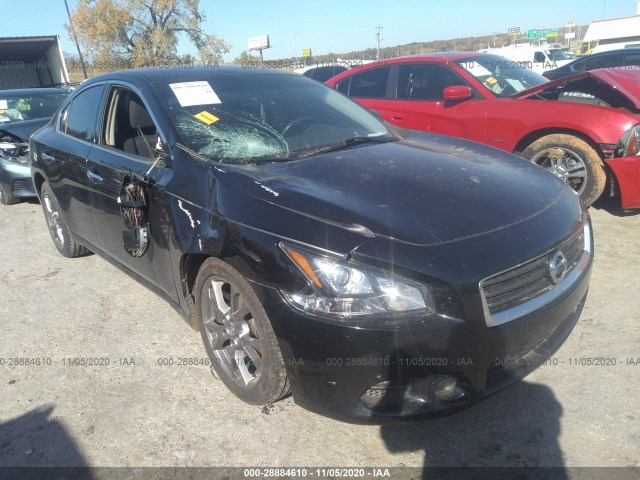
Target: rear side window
x=631, y=59
x=369, y=84
x=343, y=86
x=539, y=57
x=322, y=74
x=79, y=118
x=605, y=61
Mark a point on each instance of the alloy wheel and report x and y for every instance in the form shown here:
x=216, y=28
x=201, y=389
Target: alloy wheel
x=564, y=164
x=231, y=331
x=53, y=220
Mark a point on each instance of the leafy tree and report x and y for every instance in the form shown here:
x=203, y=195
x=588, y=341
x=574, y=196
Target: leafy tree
x=145, y=32
x=246, y=58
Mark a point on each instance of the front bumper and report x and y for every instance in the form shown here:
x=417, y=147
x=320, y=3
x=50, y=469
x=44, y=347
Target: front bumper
x=365, y=375
x=16, y=179
x=627, y=171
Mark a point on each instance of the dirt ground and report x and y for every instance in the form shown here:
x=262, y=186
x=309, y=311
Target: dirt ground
x=135, y=412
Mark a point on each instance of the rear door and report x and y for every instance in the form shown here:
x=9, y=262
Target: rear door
x=64, y=158
x=370, y=88
x=133, y=231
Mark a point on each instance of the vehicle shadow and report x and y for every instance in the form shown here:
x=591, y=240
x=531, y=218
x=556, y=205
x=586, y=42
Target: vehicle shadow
x=36, y=440
x=612, y=206
x=517, y=427
x=503, y=436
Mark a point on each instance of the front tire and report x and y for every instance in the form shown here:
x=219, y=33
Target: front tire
x=6, y=198
x=58, y=229
x=238, y=336
x=573, y=160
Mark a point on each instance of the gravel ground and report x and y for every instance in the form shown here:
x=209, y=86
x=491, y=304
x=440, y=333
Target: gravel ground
x=137, y=413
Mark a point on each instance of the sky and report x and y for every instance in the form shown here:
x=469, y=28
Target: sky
x=341, y=25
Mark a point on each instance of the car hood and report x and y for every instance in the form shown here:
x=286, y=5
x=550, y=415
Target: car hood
x=423, y=190
x=625, y=80
x=23, y=130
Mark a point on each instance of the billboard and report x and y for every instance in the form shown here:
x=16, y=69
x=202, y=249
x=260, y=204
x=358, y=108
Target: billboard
x=259, y=43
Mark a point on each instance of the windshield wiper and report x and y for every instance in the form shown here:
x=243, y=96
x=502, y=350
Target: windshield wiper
x=350, y=142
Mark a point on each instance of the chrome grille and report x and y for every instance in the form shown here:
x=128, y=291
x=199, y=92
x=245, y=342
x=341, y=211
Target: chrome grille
x=530, y=280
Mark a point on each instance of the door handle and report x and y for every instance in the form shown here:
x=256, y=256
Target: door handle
x=94, y=177
x=48, y=157
x=397, y=116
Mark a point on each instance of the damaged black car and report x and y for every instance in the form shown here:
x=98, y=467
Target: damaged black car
x=372, y=275
x=22, y=112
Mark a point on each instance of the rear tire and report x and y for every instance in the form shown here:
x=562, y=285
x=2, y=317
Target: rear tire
x=238, y=336
x=573, y=160
x=58, y=229
x=6, y=198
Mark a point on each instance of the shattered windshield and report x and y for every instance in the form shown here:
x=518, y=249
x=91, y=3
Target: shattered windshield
x=249, y=119
x=18, y=108
x=502, y=76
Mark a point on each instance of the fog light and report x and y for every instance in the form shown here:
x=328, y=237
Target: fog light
x=384, y=396
x=448, y=389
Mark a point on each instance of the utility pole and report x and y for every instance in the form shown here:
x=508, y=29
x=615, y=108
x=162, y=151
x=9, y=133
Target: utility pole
x=379, y=39
x=75, y=38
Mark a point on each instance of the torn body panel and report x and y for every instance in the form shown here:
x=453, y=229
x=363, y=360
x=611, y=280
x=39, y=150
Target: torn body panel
x=134, y=207
x=627, y=171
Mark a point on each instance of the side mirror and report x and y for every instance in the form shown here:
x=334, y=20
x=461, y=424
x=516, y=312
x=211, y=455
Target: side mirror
x=457, y=93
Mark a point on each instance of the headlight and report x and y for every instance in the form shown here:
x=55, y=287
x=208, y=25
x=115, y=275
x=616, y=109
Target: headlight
x=630, y=142
x=15, y=152
x=345, y=289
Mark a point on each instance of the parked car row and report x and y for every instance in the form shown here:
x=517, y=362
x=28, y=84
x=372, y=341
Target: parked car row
x=627, y=57
x=584, y=128
x=22, y=112
x=372, y=275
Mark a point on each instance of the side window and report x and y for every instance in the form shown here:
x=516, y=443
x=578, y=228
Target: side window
x=631, y=59
x=538, y=57
x=128, y=126
x=578, y=66
x=420, y=81
x=370, y=84
x=604, y=61
x=343, y=86
x=79, y=118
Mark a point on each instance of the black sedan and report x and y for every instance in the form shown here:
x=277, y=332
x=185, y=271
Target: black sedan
x=624, y=57
x=372, y=275
x=22, y=112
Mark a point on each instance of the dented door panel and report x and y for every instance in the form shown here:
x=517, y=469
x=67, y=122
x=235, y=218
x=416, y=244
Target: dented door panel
x=108, y=170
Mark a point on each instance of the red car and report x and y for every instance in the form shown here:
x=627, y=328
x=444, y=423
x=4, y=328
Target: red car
x=584, y=128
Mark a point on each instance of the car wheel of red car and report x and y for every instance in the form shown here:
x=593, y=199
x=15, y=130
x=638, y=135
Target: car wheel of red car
x=573, y=160
x=238, y=336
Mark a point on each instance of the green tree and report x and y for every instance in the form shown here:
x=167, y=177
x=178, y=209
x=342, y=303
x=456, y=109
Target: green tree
x=246, y=58
x=144, y=32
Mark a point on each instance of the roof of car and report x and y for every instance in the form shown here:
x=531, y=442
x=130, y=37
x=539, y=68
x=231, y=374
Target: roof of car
x=31, y=91
x=185, y=74
x=612, y=52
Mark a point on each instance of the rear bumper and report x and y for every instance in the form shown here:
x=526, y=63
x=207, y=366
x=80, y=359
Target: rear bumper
x=627, y=171
x=16, y=178
x=333, y=367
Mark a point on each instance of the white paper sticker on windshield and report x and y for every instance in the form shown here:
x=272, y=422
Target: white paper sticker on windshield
x=194, y=93
x=3, y=105
x=517, y=84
